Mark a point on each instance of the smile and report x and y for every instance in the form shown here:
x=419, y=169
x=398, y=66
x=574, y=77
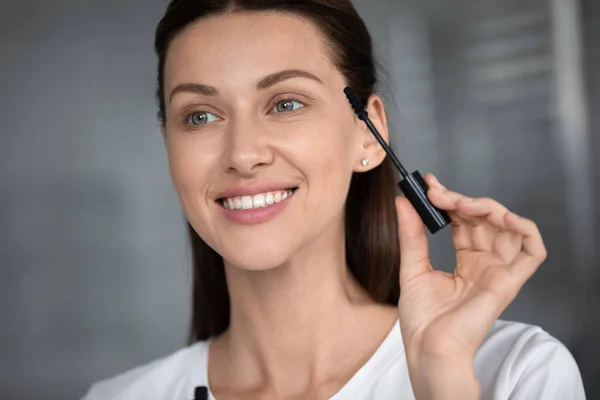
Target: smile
x=257, y=201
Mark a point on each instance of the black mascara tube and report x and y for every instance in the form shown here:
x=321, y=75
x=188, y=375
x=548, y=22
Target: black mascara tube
x=201, y=393
x=412, y=185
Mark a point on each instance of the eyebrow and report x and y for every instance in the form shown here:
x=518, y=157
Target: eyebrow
x=263, y=84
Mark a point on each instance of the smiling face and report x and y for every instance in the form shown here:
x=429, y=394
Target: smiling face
x=257, y=119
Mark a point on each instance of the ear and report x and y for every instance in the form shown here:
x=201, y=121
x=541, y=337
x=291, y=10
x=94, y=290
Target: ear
x=371, y=149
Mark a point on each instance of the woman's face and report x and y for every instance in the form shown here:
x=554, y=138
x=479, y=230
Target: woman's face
x=255, y=108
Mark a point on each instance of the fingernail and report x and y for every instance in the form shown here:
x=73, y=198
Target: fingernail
x=468, y=199
x=440, y=189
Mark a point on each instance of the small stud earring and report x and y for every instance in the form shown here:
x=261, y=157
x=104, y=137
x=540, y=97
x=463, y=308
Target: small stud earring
x=364, y=162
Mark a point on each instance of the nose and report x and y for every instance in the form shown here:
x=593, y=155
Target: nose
x=247, y=147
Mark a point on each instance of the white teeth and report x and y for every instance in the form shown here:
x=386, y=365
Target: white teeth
x=257, y=201
x=269, y=198
x=237, y=203
x=247, y=203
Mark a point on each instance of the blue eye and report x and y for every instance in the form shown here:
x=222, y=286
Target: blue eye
x=287, y=106
x=200, y=118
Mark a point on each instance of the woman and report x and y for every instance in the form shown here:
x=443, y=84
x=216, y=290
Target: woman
x=300, y=244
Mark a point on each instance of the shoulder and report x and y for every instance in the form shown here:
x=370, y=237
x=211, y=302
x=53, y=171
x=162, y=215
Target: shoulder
x=523, y=361
x=173, y=376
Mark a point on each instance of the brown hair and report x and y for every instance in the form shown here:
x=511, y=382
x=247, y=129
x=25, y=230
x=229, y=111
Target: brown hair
x=372, y=248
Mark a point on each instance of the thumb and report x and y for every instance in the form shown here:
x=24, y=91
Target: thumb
x=414, y=248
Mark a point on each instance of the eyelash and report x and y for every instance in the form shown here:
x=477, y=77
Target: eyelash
x=186, y=117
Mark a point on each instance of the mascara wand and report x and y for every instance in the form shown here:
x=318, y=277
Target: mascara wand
x=412, y=185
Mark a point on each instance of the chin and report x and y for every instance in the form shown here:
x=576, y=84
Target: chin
x=257, y=258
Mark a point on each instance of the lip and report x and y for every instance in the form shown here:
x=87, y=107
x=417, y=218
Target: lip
x=257, y=188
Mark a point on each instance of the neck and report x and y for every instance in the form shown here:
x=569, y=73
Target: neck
x=293, y=324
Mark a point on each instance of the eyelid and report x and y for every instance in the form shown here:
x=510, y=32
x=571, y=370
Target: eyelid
x=198, y=108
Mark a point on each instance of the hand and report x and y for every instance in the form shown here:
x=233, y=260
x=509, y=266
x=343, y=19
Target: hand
x=445, y=317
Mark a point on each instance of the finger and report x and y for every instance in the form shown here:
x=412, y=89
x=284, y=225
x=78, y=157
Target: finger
x=471, y=232
x=461, y=200
x=483, y=210
x=461, y=225
x=461, y=235
x=460, y=231
x=490, y=231
x=507, y=245
x=433, y=181
x=414, y=248
x=483, y=237
x=534, y=252
x=442, y=197
x=446, y=199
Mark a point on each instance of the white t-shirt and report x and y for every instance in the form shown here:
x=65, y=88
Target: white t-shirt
x=516, y=361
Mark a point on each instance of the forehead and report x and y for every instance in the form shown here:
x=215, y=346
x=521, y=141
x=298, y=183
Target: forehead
x=245, y=46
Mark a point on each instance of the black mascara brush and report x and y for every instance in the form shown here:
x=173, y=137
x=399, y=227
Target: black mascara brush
x=412, y=185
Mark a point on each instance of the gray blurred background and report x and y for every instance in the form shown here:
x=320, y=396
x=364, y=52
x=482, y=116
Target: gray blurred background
x=497, y=97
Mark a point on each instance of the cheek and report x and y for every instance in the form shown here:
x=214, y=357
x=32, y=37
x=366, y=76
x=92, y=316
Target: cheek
x=334, y=181
x=323, y=145
x=332, y=155
x=189, y=169
x=180, y=164
x=326, y=156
